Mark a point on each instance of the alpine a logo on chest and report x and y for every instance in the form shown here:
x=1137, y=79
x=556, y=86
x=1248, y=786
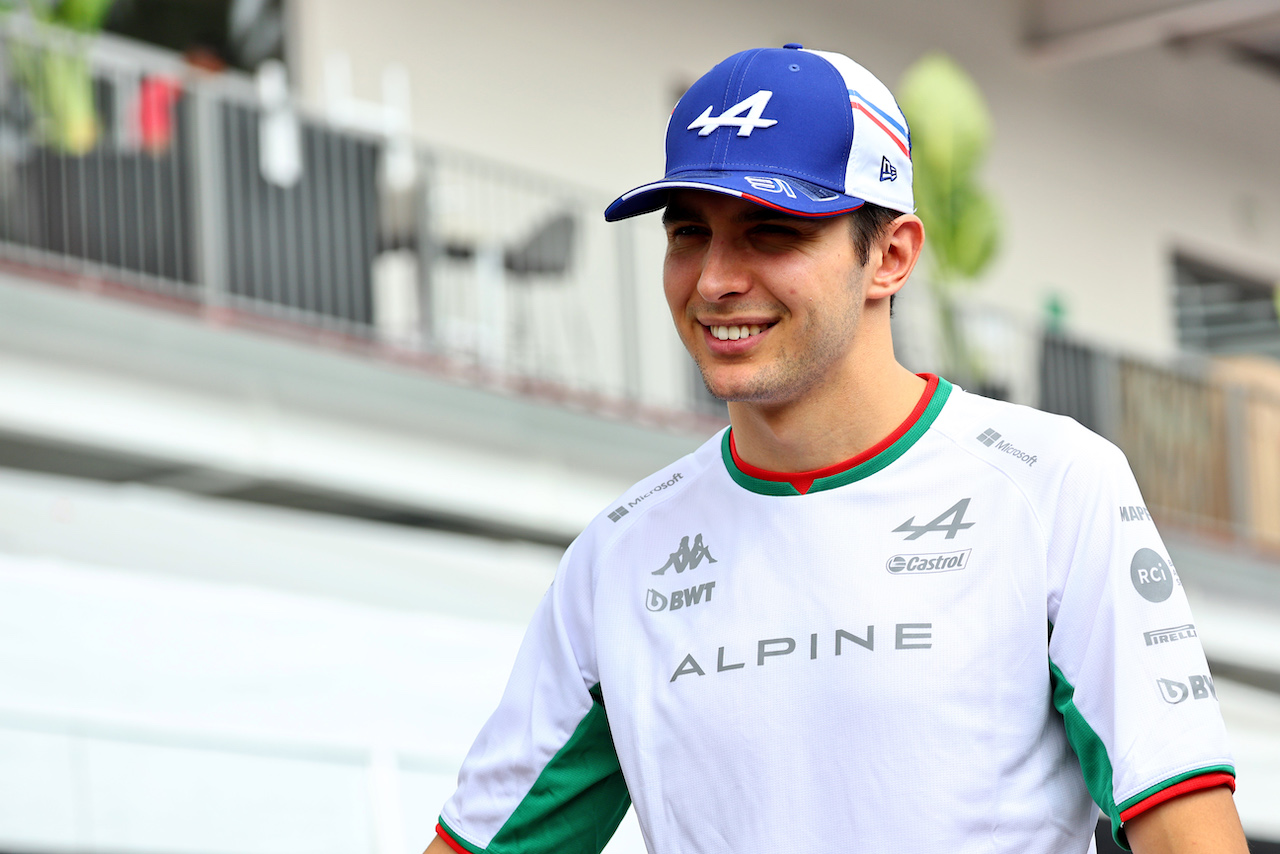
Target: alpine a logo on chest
x=686, y=556
x=744, y=115
x=950, y=520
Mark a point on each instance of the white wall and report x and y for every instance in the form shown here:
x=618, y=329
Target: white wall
x=185, y=674
x=1100, y=168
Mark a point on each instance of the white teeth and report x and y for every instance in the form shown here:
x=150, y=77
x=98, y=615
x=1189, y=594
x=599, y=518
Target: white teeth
x=733, y=333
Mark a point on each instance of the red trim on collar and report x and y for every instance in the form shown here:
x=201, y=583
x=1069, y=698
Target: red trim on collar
x=803, y=480
x=1195, y=784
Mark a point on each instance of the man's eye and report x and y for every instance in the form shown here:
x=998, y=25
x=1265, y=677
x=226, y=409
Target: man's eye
x=687, y=230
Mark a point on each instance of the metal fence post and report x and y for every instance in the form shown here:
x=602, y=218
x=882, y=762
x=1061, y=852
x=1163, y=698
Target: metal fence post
x=1107, y=395
x=630, y=315
x=1239, y=447
x=205, y=141
x=425, y=240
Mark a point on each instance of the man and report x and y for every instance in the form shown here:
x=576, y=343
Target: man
x=878, y=614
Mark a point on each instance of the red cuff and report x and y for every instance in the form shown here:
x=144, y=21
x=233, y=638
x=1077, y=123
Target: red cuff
x=1195, y=784
x=453, y=843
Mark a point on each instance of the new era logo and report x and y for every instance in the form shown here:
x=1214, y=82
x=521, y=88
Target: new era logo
x=988, y=437
x=888, y=172
x=615, y=515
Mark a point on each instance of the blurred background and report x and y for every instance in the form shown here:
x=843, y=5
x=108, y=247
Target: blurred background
x=315, y=352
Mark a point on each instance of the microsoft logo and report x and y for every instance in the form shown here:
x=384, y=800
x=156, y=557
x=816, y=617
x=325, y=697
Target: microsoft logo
x=615, y=515
x=988, y=437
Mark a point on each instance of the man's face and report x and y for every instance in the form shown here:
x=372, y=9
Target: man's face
x=789, y=290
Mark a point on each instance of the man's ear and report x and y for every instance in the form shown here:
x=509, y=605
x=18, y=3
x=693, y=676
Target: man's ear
x=894, y=256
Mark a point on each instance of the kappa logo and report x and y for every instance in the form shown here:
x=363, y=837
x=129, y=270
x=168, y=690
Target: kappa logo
x=955, y=513
x=744, y=115
x=1200, y=688
x=687, y=557
x=888, y=172
x=688, y=597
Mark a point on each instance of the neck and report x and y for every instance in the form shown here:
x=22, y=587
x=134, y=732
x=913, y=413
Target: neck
x=829, y=425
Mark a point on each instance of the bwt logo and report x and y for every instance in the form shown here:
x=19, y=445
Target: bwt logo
x=1200, y=688
x=687, y=597
x=940, y=562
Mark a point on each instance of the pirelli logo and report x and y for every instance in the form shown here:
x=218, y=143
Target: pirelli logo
x=1177, y=633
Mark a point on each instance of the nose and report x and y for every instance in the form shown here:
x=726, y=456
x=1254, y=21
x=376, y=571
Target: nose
x=724, y=271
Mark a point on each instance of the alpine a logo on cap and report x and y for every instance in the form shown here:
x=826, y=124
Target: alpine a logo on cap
x=753, y=107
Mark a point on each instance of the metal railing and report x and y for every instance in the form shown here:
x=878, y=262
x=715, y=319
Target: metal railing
x=197, y=188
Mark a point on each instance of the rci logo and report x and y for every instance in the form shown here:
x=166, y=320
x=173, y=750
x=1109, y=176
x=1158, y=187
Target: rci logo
x=687, y=597
x=1201, y=688
x=1151, y=576
x=955, y=513
x=939, y=562
x=687, y=557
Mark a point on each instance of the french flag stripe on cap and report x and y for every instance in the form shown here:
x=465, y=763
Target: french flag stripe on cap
x=895, y=130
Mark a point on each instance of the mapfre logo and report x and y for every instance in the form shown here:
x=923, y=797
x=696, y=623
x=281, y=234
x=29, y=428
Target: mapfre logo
x=686, y=598
x=686, y=556
x=950, y=520
x=744, y=115
x=928, y=563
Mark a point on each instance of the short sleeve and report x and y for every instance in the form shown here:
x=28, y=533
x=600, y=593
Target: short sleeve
x=543, y=776
x=1127, y=670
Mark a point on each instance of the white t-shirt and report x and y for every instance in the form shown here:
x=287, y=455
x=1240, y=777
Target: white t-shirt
x=959, y=643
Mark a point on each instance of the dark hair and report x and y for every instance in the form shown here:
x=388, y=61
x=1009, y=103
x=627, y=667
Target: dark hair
x=868, y=224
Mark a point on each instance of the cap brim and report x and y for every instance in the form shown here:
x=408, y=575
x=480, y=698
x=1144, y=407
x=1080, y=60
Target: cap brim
x=792, y=195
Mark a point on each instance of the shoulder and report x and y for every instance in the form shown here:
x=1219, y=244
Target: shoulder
x=1055, y=464
x=1025, y=443
x=646, y=495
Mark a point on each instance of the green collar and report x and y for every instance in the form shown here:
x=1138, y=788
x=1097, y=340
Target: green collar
x=906, y=436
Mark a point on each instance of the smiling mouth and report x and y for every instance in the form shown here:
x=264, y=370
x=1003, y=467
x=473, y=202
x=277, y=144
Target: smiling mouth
x=733, y=333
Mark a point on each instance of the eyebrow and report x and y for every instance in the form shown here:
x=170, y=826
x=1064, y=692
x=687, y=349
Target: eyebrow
x=682, y=213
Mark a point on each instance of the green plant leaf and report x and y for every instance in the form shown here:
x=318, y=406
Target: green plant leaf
x=976, y=234
x=950, y=126
x=84, y=16
x=950, y=132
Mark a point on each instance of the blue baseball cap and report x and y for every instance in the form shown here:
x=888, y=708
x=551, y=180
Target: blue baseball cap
x=804, y=131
